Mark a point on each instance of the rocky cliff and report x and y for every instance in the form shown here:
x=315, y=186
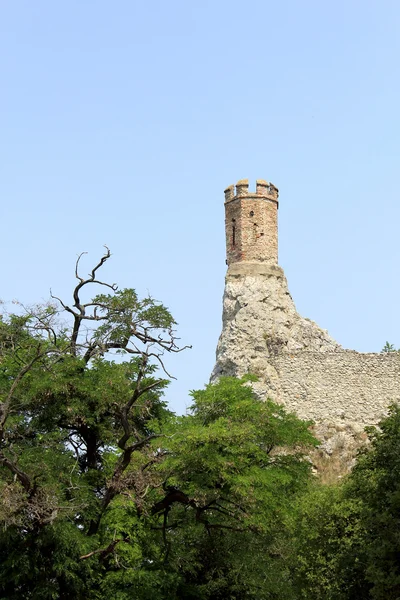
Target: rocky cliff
x=260, y=321
x=299, y=365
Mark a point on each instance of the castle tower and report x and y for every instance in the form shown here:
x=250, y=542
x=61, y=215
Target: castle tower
x=251, y=223
x=297, y=363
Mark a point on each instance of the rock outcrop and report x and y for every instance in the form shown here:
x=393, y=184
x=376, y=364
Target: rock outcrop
x=298, y=364
x=260, y=321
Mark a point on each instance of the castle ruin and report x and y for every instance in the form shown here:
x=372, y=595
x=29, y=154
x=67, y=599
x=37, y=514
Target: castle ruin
x=298, y=364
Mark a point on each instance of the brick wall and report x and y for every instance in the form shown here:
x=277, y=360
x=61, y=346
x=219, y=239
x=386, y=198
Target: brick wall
x=251, y=223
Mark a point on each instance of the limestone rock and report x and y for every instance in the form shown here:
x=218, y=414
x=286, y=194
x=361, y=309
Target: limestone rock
x=297, y=362
x=260, y=321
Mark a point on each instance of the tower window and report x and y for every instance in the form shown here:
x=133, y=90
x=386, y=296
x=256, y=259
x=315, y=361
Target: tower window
x=252, y=213
x=255, y=228
x=233, y=233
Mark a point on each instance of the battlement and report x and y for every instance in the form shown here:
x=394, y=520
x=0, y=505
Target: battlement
x=251, y=223
x=264, y=189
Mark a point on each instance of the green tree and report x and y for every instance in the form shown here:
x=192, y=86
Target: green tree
x=105, y=493
x=375, y=483
x=76, y=432
x=347, y=541
x=232, y=470
x=327, y=546
x=389, y=348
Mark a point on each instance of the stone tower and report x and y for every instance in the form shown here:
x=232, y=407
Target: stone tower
x=259, y=317
x=251, y=223
x=298, y=364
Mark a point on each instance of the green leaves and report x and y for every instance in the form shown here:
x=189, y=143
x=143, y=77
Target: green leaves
x=347, y=542
x=375, y=482
x=389, y=348
x=76, y=431
x=234, y=444
x=231, y=471
x=124, y=316
x=104, y=493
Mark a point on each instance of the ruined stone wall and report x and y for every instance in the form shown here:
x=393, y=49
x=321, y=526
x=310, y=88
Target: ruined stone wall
x=337, y=386
x=297, y=362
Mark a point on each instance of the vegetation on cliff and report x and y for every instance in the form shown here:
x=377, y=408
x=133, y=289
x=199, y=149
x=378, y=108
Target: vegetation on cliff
x=106, y=493
x=348, y=536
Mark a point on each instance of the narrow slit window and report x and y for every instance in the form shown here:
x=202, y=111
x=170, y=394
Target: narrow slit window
x=255, y=232
x=233, y=233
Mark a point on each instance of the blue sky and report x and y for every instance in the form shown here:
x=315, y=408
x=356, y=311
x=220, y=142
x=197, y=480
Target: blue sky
x=122, y=123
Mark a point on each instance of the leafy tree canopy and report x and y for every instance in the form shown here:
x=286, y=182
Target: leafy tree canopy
x=348, y=536
x=104, y=492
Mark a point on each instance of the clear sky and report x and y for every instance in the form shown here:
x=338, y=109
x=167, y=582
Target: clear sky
x=122, y=122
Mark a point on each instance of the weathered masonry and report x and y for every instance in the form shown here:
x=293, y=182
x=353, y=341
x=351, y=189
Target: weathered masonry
x=297, y=362
x=251, y=222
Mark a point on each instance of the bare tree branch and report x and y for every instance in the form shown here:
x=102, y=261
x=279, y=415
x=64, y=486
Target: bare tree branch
x=20, y=475
x=104, y=552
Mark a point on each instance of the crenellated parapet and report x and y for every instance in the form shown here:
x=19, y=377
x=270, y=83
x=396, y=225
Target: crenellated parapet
x=264, y=189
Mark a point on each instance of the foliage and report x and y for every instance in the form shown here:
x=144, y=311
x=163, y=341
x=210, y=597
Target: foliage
x=348, y=536
x=104, y=493
x=72, y=422
x=389, y=348
x=232, y=470
x=327, y=550
x=375, y=482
